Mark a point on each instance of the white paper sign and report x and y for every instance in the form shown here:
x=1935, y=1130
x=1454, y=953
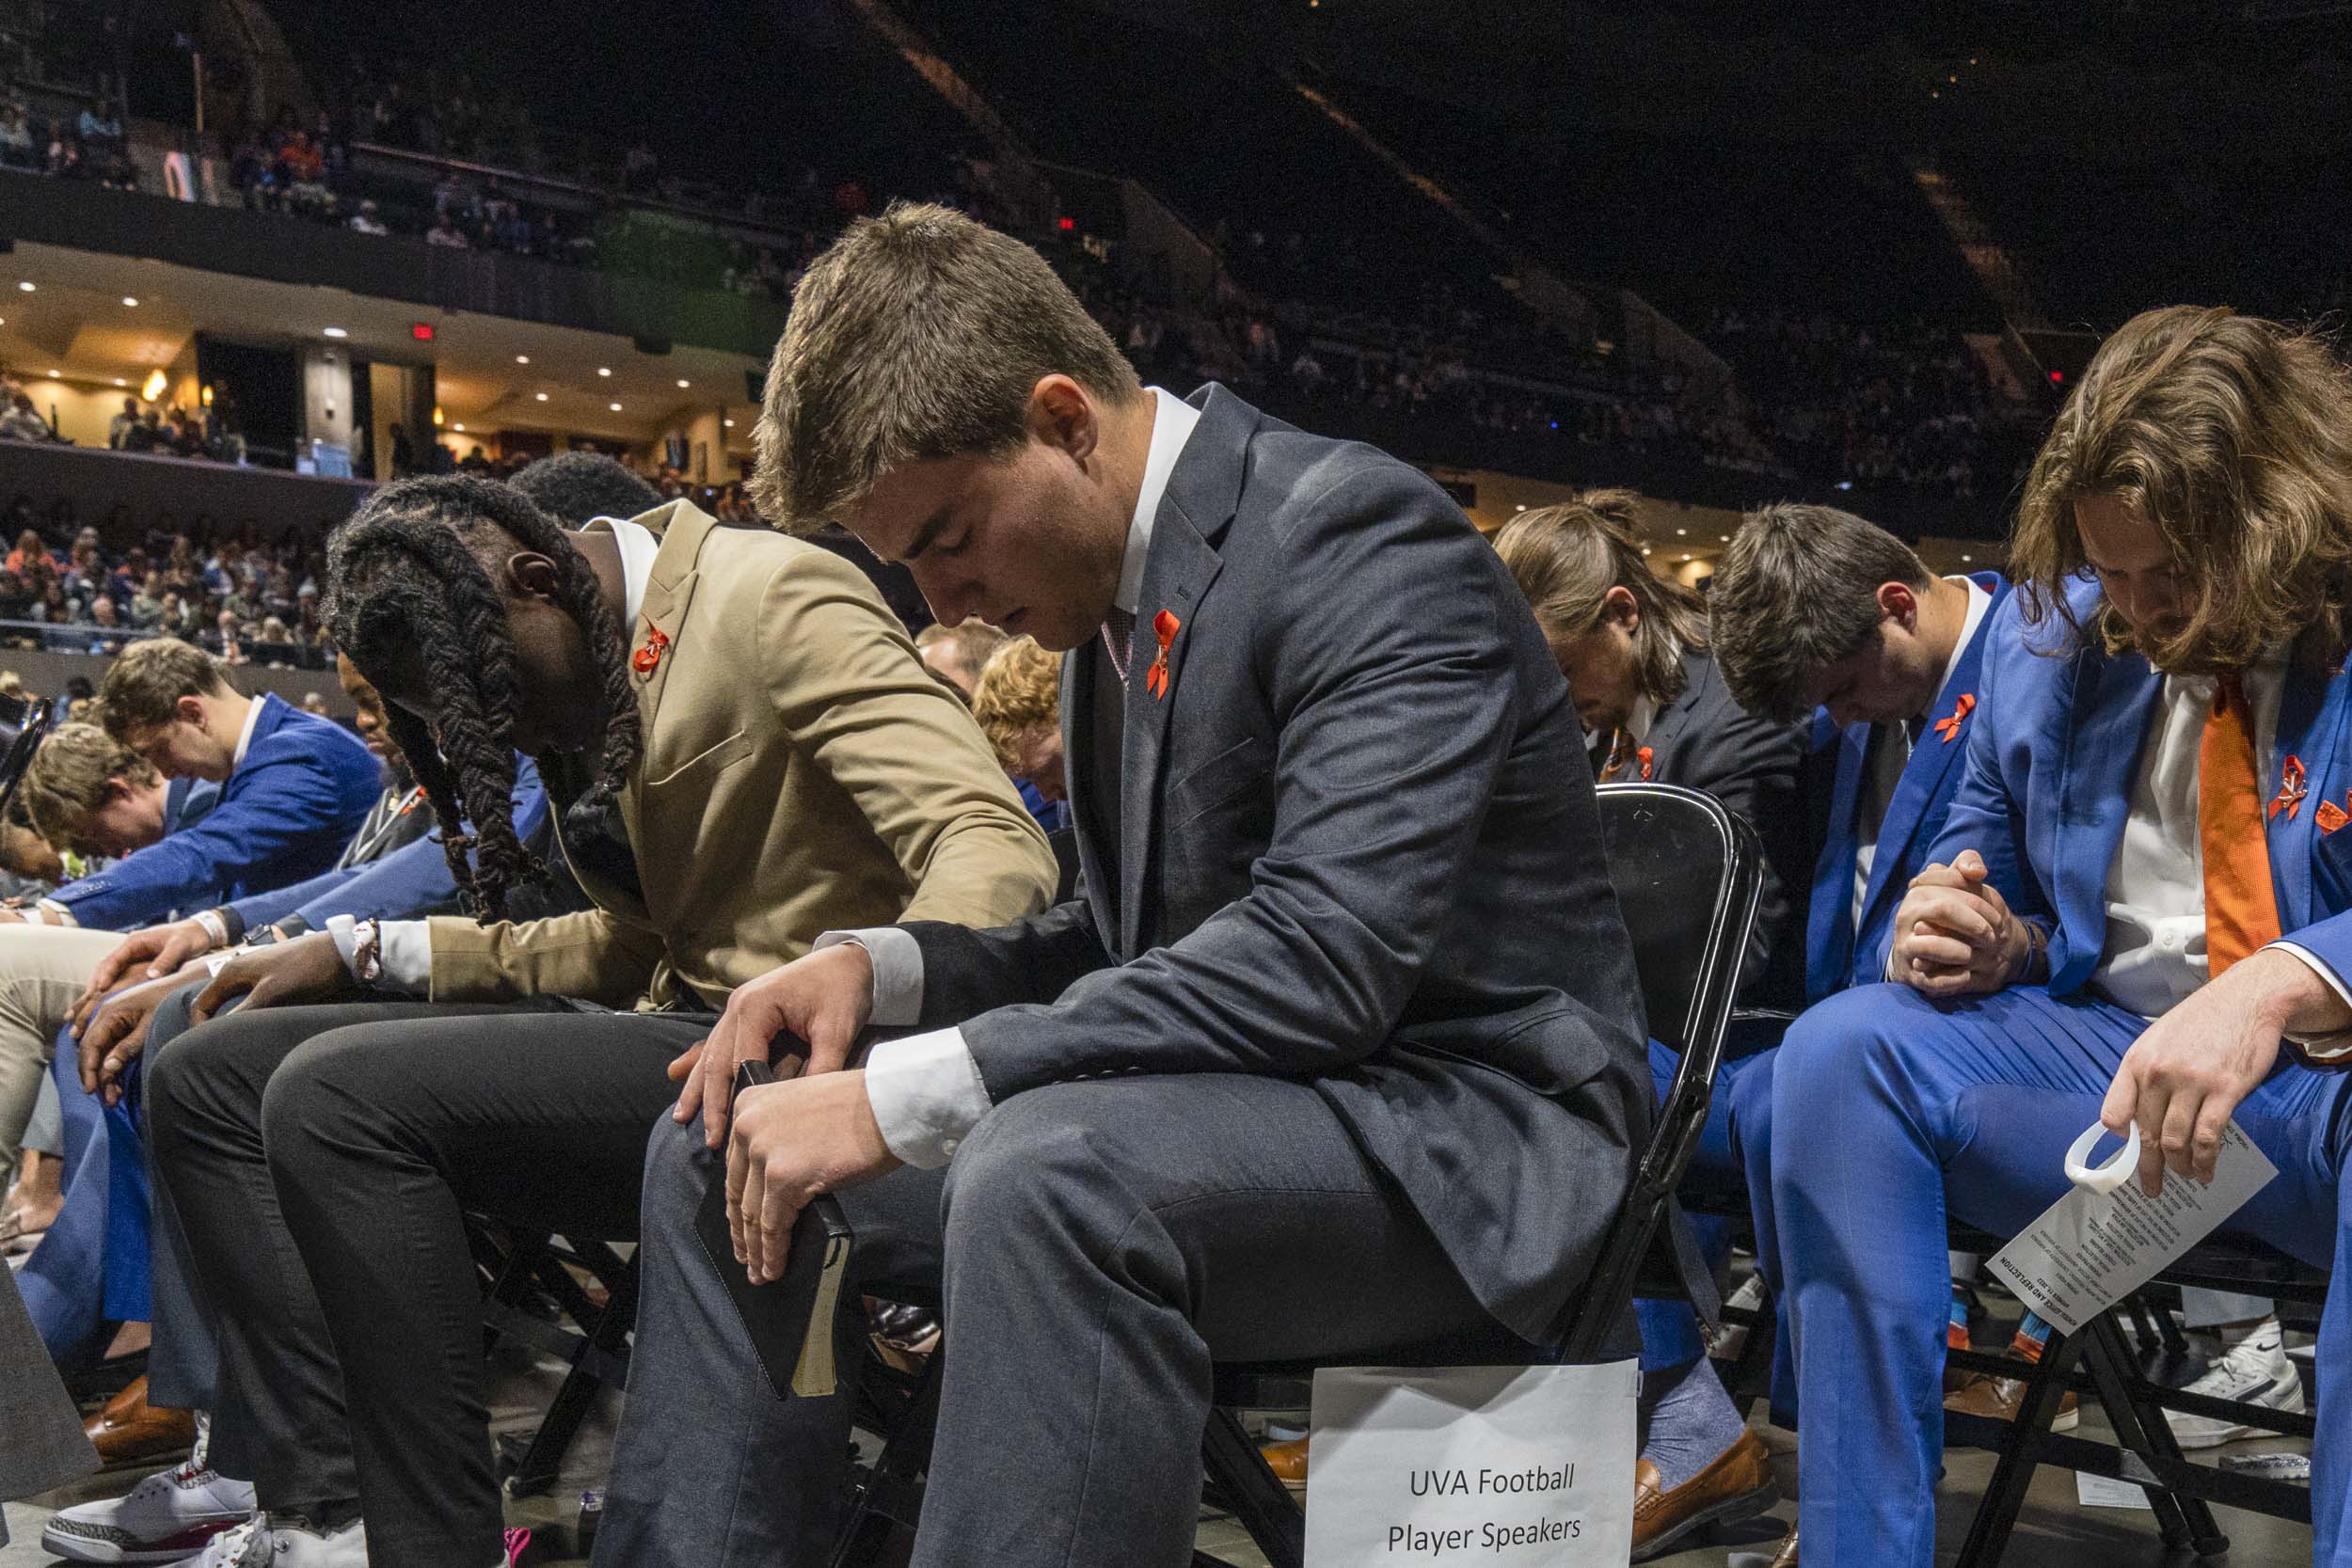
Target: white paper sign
x=2090, y=1249
x=1503, y=1466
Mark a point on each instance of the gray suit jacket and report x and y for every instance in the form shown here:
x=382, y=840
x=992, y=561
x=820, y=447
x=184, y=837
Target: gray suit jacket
x=1704, y=740
x=1358, y=847
x=40, y=1437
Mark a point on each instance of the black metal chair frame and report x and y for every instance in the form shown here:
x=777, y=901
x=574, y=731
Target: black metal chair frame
x=2111, y=1364
x=516, y=1266
x=1236, y=1479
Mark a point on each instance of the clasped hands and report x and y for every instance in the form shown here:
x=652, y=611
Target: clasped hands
x=2185, y=1075
x=811, y=1132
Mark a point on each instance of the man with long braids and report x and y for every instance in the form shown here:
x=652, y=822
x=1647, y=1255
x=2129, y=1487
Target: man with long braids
x=744, y=751
x=2139, y=912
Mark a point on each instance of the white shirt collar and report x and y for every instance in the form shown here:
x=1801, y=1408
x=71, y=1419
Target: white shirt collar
x=244, y=736
x=1172, y=420
x=1978, y=603
x=638, y=548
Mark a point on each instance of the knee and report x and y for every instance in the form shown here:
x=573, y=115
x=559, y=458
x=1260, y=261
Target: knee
x=1035, y=1161
x=679, y=1168
x=170, y=1019
x=178, y=1083
x=1854, y=1032
x=328, y=1094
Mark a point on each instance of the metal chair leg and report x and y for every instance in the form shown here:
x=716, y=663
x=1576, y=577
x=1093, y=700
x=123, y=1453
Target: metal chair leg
x=1996, y=1514
x=2140, y=1426
x=1260, y=1504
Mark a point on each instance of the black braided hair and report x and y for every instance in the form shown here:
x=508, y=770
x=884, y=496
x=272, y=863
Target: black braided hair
x=403, y=578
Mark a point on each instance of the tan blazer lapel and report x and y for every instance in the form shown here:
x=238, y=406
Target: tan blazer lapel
x=655, y=651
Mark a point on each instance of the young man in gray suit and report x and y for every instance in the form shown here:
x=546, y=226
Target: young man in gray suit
x=1339, y=1050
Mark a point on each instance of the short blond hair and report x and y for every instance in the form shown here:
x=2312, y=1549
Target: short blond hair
x=1019, y=690
x=917, y=335
x=142, y=690
x=65, y=783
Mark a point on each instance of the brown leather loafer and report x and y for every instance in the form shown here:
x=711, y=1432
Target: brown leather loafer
x=1737, y=1484
x=2000, y=1399
x=130, y=1431
x=1288, y=1461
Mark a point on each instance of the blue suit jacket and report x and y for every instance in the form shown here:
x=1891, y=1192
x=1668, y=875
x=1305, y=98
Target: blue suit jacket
x=284, y=815
x=410, y=882
x=2049, y=784
x=1837, y=952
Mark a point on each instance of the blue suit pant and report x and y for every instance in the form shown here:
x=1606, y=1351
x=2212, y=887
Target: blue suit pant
x=1733, y=1161
x=1893, y=1111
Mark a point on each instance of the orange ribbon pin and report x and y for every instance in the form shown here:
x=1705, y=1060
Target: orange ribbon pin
x=1948, y=726
x=648, y=658
x=2292, y=789
x=1165, y=627
x=1641, y=756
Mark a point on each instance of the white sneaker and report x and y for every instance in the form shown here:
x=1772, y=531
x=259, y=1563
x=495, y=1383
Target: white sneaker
x=2254, y=1370
x=1730, y=1341
x=283, y=1542
x=161, y=1519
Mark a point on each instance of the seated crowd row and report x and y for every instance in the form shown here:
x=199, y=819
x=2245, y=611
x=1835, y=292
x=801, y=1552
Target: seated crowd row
x=1291, y=1016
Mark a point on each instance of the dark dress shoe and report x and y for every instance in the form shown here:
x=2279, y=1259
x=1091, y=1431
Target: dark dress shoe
x=130, y=1431
x=1737, y=1484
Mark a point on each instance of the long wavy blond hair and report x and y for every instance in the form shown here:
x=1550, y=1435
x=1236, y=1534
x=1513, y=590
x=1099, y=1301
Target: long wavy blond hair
x=2233, y=436
x=1566, y=557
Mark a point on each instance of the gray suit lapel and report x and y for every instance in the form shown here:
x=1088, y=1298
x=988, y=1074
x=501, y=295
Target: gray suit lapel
x=1079, y=742
x=1175, y=576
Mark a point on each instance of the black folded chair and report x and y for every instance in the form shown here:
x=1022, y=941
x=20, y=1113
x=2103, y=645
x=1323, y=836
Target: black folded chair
x=532, y=1293
x=1687, y=874
x=2102, y=1361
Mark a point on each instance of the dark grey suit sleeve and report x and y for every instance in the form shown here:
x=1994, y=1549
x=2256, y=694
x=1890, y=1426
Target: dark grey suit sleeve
x=1379, y=641
x=1753, y=765
x=966, y=971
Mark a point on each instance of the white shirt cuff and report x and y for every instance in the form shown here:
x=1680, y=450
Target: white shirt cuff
x=2322, y=1047
x=927, y=1094
x=898, y=973
x=404, y=949
x=59, y=915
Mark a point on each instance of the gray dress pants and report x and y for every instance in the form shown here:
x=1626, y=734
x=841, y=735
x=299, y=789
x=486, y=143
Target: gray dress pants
x=1095, y=1246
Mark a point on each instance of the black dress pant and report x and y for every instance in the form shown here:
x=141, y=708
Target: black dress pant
x=320, y=1159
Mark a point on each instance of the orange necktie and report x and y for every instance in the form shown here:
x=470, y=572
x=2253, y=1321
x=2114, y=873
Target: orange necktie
x=2241, y=911
x=1620, y=756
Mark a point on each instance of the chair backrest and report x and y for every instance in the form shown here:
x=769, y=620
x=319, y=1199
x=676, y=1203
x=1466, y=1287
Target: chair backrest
x=1688, y=874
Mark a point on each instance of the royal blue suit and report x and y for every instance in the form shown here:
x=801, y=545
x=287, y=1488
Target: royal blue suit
x=284, y=815
x=1834, y=957
x=1733, y=1161
x=1892, y=1107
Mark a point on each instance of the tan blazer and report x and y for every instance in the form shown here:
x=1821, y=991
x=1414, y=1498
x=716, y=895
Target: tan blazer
x=802, y=772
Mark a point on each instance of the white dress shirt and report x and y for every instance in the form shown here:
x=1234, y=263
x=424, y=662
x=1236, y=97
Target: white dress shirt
x=926, y=1090
x=2155, y=892
x=1890, y=752
x=406, y=946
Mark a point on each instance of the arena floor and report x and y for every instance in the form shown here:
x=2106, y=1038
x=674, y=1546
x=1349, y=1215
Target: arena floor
x=2054, y=1531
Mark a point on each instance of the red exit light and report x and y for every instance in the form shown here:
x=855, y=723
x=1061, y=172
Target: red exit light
x=2058, y=377
x=421, y=331
x=1069, y=224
